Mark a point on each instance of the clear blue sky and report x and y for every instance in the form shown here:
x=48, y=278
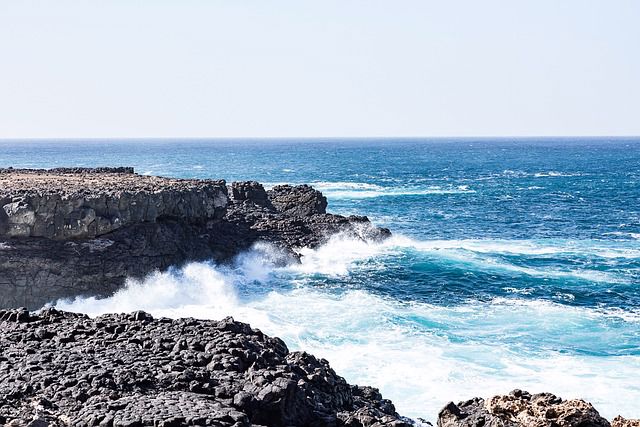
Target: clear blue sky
x=319, y=68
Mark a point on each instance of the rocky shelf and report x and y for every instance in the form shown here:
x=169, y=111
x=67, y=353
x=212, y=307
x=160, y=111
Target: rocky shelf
x=79, y=203
x=64, y=369
x=71, y=232
x=116, y=370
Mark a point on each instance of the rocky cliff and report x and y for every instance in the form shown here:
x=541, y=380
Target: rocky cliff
x=80, y=203
x=75, y=231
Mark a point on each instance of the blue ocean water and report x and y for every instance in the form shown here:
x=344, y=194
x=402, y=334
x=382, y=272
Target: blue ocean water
x=515, y=263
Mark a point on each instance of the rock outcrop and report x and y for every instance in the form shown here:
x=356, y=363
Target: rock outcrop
x=521, y=409
x=82, y=232
x=623, y=422
x=64, y=204
x=60, y=368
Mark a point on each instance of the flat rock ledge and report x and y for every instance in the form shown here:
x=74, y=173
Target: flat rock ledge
x=67, y=203
x=66, y=369
x=523, y=409
x=71, y=232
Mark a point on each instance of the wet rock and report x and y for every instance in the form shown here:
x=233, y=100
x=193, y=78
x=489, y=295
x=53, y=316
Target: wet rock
x=250, y=191
x=100, y=378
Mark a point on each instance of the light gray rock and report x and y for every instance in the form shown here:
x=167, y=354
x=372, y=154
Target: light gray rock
x=521, y=409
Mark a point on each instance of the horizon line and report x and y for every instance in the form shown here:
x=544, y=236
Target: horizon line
x=202, y=138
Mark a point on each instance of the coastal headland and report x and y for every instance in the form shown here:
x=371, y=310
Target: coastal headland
x=71, y=232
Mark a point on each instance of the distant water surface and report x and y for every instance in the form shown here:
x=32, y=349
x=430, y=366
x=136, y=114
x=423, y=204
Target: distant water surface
x=514, y=263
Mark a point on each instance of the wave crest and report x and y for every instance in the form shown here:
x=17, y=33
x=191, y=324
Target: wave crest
x=419, y=354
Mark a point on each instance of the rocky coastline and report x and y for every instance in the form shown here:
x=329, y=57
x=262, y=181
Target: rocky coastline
x=116, y=370
x=71, y=232
x=65, y=369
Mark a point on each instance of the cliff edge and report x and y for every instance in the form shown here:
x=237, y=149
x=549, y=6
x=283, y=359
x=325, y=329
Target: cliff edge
x=70, y=232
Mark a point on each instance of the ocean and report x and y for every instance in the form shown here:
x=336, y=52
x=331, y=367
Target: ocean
x=514, y=263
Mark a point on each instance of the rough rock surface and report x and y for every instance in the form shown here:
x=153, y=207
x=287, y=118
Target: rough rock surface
x=83, y=232
x=84, y=203
x=60, y=368
x=521, y=409
x=623, y=422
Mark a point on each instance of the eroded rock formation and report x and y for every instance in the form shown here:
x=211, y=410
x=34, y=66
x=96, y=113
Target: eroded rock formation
x=60, y=368
x=71, y=232
x=64, y=204
x=522, y=409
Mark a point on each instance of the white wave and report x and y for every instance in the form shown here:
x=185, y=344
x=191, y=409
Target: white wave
x=598, y=248
x=525, y=174
x=344, y=185
x=554, y=174
x=524, y=291
x=363, y=190
x=340, y=253
x=419, y=355
x=395, y=192
x=635, y=236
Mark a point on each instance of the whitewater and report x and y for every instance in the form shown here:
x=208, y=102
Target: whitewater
x=513, y=263
x=420, y=355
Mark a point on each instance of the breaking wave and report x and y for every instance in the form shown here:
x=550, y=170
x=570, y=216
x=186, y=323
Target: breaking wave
x=421, y=354
x=361, y=190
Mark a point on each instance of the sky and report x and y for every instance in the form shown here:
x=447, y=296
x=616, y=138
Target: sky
x=344, y=68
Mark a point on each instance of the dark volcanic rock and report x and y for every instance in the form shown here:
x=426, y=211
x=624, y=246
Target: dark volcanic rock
x=61, y=368
x=521, y=409
x=76, y=231
x=298, y=201
x=282, y=221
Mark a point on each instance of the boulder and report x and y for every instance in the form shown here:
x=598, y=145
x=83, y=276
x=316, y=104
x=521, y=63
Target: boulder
x=521, y=409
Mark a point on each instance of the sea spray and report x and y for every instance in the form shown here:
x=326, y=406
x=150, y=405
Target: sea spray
x=420, y=352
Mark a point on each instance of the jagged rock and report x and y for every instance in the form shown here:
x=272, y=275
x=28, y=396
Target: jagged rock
x=521, y=409
x=623, y=422
x=134, y=370
x=301, y=200
x=82, y=232
x=251, y=191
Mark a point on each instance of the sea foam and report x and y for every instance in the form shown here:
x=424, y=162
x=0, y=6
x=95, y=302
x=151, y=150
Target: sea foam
x=420, y=355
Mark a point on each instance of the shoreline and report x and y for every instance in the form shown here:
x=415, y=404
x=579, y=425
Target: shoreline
x=206, y=372
x=97, y=221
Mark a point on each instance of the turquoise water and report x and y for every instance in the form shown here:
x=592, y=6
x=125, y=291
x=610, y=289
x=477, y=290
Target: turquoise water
x=514, y=263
